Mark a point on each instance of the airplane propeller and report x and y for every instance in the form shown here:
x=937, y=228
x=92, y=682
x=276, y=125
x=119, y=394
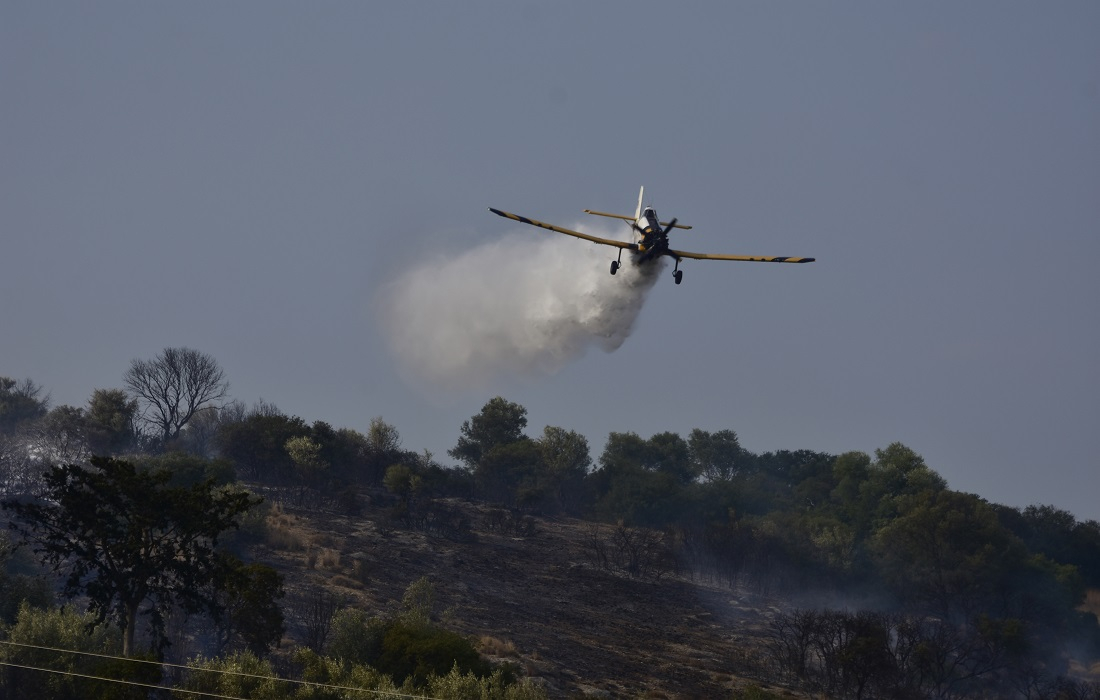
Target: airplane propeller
x=671, y=225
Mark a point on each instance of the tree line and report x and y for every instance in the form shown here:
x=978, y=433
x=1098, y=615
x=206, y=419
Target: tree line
x=882, y=527
x=136, y=501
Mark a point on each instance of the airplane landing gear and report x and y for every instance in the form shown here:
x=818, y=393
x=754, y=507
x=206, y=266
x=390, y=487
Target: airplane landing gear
x=614, y=266
x=678, y=275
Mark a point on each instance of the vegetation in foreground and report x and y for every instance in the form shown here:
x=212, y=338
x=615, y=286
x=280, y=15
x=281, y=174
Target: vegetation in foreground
x=973, y=599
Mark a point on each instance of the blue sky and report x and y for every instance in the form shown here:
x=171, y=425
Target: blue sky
x=249, y=179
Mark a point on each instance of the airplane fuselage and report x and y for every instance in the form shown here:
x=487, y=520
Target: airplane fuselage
x=652, y=238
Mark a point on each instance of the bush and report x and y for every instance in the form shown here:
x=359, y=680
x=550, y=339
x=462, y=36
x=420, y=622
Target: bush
x=241, y=675
x=356, y=638
x=407, y=648
x=416, y=652
x=20, y=581
x=498, y=686
x=63, y=628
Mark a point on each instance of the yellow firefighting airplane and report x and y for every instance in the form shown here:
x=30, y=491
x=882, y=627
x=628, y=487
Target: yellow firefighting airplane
x=651, y=239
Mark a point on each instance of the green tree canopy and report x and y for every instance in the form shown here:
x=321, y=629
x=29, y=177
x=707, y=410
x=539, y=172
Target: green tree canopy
x=565, y=460
x=639, y=480
x=257, y=445
x=946, y=551
x=126, y=538
x=492, y=445
x=250, y=616
x=717, y=456
x=20, y=402
x=112, y=417
x=500, y=422
x=309, y=464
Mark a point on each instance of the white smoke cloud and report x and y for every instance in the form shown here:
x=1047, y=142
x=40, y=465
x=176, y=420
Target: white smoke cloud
x=523, y=305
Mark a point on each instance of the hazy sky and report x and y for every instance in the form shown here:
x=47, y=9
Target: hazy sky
x=257, y=180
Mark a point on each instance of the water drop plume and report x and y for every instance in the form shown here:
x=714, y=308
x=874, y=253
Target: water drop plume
x=523, y=305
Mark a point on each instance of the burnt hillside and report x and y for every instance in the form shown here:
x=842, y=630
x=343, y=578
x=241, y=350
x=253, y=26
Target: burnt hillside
x=536, y=595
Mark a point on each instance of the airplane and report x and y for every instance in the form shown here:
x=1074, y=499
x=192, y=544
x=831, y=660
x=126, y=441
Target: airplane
x=650, y=239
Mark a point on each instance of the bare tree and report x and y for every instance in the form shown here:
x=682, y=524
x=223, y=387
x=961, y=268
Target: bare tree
x=173, y=386
x=315, y=618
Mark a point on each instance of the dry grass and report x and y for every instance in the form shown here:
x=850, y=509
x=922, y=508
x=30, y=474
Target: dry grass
x=346, y=582
x=1089, y=673
x=284, y=531
x=491, y=646
x=359, y=572
x=1092, y=602
x=282, y=537
x=330, y=559
x=324, y=557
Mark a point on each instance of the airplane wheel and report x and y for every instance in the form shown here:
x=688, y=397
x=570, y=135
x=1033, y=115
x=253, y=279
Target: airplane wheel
x=614, y=266
x=678, y=275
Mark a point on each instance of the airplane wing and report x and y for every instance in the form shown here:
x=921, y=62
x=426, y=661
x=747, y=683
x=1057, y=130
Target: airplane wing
x=566, y=231
x=747, y=258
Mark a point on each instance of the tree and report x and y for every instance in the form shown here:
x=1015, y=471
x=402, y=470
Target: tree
x=383, y=437
x=62, y=435
x=948, y=552
x=173, y=386
x=565, y=462
x=257, y=445
x=402, y=481
x=380, y=448
x=126, y=538
x=494, y=448
x=187, y=469
x=717, y=456
x=500, y=422
x=669, y=454
x=239, y=675
x=19, y=402
x=633, y=483
x=58, y=628
x=503, y=470
x=866, y=492
x=250, y=617
x=112, y=417
x=308, y=462
x=198, y=437
x=20, y=470
x=20, y=581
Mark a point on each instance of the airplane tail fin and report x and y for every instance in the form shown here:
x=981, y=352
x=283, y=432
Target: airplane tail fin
x=638, y=211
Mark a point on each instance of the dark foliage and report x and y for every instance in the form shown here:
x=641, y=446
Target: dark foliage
x=126, y=538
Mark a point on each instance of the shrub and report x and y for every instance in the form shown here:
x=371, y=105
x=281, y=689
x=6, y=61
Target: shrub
x=240, y=675
x=415, y=652
x=356, y=638
x=498, y=686
x=63, y=628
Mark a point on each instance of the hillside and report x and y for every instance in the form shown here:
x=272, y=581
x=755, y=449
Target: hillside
x=538, y=600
